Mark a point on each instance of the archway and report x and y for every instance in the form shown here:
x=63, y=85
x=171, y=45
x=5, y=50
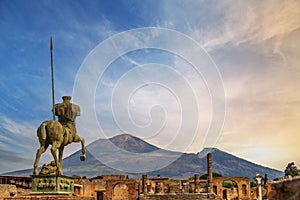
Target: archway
x=232, y=187
x=120, y=192
x=229, y=190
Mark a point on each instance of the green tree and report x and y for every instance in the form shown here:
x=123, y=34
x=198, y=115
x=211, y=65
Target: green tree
x=253, y=184
x=229, y=184
x=291, y=170
x=265, y=179
x=204, y=176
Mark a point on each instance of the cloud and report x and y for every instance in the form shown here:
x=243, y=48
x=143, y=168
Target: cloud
x=12, y=157
x=151, y=92
x=18, y=144
x=13, y=161
x=254, y=46
x=279, y=18
x=215, y=24
x=262, y=112
x=23, y=131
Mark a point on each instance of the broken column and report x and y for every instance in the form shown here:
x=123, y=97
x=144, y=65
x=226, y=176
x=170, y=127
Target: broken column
x=209, y=173
x=144, y=184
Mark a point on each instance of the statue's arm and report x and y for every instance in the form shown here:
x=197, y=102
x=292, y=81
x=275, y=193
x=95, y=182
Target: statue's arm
x=76, y=110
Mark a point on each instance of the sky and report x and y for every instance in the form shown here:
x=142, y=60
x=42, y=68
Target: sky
x=182, y=75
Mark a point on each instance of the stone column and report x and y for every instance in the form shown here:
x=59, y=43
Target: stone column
x=144, y=184
x=159, y=187
x=209, y=173
x=197, y=183
x=258, y=181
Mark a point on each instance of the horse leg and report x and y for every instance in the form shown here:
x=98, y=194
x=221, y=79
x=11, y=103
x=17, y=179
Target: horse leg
x=83, y=153
x=53, y=151
x=60, y=155
x=39, y=152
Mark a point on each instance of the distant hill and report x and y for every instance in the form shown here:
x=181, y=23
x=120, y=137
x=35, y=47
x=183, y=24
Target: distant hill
x=186, y=165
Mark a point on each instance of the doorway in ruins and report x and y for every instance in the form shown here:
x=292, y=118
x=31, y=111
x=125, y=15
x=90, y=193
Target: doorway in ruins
x=120, y=192
x=100, y=195
x=229, y=190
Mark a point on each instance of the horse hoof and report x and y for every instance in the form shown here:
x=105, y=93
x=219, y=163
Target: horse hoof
x=82, y=158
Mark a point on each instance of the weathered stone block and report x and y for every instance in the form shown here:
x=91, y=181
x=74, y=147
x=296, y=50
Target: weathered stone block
x=285, y=189
x=52, y=184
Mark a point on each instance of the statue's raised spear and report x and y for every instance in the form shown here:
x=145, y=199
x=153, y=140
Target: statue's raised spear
x=52, y=76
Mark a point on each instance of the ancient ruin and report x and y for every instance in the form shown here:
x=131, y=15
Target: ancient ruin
x=120, y=187
x=242, y=191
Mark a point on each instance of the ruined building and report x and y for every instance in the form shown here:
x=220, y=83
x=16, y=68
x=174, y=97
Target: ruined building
x=119, y=187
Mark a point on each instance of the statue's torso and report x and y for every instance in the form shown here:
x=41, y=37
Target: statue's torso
x=67, y=113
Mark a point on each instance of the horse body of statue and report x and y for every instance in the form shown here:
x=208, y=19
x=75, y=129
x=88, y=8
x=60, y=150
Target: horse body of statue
x=59, y=133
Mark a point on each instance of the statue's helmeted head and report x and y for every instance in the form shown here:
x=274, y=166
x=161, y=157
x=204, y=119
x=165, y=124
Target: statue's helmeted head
x=66, y=98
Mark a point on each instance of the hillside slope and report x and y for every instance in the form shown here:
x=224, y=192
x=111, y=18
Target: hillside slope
x=140, y=156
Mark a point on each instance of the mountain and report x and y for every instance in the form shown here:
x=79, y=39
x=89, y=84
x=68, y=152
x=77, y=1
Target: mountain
x=132, y=144
x=130, y=154
x=230, y=165
x=126, y=150
x=223, y=163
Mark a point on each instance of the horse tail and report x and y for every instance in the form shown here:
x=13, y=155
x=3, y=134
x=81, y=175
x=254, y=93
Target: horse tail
x=43, y=130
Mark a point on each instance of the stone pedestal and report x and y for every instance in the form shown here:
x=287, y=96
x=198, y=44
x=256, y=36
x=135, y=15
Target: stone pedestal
x=52, y=185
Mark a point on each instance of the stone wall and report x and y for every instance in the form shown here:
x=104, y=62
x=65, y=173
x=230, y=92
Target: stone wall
x=49, y=197
x=7, y=190
x=178, y=197
x=105, y=188
x=172, y=186
x=285, y=189
x=121, y=190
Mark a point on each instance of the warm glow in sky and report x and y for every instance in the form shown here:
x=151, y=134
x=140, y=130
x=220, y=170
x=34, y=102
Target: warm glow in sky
x=254, y=47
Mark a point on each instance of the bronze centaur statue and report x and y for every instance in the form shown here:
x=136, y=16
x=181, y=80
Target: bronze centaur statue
x=59, y=133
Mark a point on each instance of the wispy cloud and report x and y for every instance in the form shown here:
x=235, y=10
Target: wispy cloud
x=215, y=24
x=253, y=44
x=18, y=144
